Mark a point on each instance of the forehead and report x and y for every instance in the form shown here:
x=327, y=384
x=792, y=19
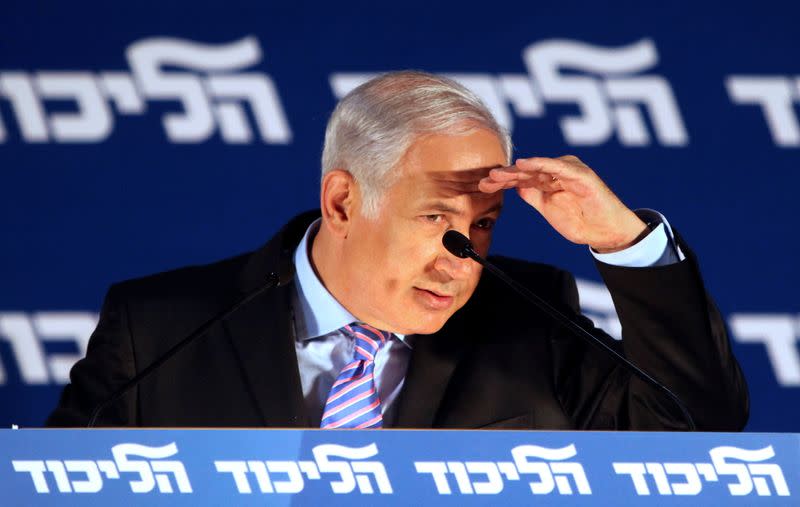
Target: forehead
x=478, y=148
x=450, y=166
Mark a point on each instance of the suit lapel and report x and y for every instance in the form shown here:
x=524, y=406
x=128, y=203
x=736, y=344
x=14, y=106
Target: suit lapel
x=262, y=333
x=433, y=362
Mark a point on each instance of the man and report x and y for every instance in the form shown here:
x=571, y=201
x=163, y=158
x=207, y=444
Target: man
x=373, y=323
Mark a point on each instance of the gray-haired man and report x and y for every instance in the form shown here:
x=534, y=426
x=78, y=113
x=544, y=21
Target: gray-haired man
x=375, y=324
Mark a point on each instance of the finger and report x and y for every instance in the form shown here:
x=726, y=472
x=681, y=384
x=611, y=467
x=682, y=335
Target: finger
x=489, y=186
x=578, y=180
x=540, y=180
x=531, y=176
x=507, y=174
x=544, y=182
x=567, y=170
x=536, y=179
x=532, y=196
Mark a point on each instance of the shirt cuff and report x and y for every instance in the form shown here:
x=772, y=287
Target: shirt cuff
x=656, y=249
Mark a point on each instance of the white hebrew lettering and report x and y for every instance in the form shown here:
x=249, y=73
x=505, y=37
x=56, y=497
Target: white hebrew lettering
x=213, y=95
x=486, y=477
x=37, y=469
x=260, y=93
x=459, y=471
x=656, y=470
x=591, y=95
x=521, y=93
x=564, y=469
x=777, y=332
x=294, y=481
x=92, y=122
x=259, y=469
x=93, y=481
x=605, y=84
x=86, y=476
x=637, y=473
x=238, y=469
x=119, y=88
x=16, y=328
x=147, y=479
x=64, y=326
x=27, y=334
x=546, y=483
x=438, y=471
x=596, y=303
x=691, y=484
x=493, y=484
x=745, y=472
x=347, y=482
x=685, y=478
x=286, y=477
x=776, y=96
x=18, y=89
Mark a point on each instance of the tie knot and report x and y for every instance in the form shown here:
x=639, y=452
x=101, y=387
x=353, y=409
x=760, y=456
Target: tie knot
x=368, y=340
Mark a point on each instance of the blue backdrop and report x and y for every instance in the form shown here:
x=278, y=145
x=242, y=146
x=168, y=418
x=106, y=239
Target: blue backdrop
x=144, y=136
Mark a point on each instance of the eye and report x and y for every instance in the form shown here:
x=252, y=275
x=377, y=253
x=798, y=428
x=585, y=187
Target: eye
x=434, y=219
x=485, y=224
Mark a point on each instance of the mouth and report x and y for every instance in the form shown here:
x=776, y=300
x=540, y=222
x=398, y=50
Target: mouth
x=434, y=300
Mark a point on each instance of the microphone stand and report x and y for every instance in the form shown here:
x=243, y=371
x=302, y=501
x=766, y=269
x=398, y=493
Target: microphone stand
x=272, y=281
x=460, y=246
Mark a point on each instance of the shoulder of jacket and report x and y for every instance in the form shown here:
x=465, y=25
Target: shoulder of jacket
x=196, y=282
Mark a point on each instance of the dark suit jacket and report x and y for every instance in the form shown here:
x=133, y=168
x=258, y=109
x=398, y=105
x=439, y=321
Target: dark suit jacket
x=496, y=363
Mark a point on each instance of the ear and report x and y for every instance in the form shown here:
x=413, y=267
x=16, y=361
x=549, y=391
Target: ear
x=339, y=199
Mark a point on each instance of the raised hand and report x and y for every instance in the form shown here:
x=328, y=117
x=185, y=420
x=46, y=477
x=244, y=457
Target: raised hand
x=572, y=198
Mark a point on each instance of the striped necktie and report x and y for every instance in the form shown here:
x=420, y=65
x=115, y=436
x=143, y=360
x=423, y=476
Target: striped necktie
x=353, y=401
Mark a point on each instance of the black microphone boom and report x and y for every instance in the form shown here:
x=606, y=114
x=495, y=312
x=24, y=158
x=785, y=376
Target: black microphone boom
x=460, y=246
x=271, y=282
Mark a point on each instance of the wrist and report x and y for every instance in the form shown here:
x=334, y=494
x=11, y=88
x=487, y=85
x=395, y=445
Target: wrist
x=638, y=231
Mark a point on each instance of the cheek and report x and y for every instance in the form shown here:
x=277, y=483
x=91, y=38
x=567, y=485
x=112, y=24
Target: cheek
x=406, y=267
x=396, y=256
x=410, y=251
x=388, y=259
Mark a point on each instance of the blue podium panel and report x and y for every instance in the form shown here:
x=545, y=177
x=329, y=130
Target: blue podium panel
x=396, y=467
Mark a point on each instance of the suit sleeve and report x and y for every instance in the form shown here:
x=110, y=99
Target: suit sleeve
x=108, y=364
x=673, y=331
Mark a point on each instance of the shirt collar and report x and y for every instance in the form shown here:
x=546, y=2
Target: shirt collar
x=317, y=312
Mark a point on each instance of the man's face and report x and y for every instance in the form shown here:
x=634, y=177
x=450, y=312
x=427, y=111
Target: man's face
x=402, y=278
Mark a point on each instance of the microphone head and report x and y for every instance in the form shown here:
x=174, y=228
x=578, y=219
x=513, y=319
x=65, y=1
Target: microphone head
x=457, y=244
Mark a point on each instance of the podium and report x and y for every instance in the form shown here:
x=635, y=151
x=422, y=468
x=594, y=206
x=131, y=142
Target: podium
x=196, y=467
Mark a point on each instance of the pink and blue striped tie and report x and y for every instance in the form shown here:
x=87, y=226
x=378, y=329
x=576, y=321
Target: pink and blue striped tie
x=354, y=401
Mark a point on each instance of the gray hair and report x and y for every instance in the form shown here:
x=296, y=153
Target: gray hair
x=373, y=126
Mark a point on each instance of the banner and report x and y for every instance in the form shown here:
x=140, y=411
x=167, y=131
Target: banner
x=395, y=467
x=140, y=138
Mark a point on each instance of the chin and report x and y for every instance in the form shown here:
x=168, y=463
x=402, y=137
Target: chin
x=427, y=325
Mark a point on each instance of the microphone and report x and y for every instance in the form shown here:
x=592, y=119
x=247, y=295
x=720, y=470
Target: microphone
x=272, y=281
x=460, y=246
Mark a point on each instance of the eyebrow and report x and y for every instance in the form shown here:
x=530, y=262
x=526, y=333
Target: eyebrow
x=446, y=208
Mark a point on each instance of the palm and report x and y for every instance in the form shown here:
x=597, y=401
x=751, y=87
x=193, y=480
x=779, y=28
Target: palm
x=572, y=198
